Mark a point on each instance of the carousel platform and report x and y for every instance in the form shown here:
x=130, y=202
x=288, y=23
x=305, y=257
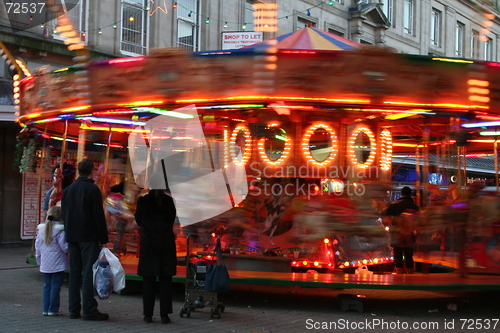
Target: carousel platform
x=388, y=281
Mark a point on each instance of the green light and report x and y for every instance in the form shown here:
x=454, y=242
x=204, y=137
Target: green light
x=166, y=113
x=489, y=133
x=330, y=3
x=279, y=137
x=207, y=21
x=114, y=26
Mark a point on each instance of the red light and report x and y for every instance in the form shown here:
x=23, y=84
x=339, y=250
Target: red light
x=125, y=60
x=174, y=6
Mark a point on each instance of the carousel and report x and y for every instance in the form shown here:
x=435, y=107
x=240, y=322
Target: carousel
x=279, y=148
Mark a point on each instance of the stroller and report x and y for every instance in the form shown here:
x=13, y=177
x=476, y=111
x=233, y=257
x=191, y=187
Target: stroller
x=196, y=297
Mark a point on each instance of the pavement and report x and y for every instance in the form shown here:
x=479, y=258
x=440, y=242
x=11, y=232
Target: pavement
x=250, y=308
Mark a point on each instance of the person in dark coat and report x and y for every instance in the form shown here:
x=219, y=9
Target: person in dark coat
x=404, y=223
x=86, y=232
x=156, y=214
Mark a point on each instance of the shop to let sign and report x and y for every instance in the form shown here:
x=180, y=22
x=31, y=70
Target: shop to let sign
x=237, y=40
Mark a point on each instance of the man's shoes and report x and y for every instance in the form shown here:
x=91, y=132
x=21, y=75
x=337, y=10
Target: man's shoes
x=148, y=319
x=45, y=313
x=165, y=319
x=96, y=316
x=74, y=315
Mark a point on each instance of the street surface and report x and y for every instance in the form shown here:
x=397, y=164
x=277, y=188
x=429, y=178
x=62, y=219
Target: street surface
x=250, y=308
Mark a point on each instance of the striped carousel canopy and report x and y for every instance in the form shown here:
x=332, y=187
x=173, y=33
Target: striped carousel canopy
x=307, y=38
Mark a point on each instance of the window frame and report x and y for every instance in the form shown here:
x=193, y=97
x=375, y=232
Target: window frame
x=387, y=9
x=459, y=39
x=79, y=25
x=193, y=21
x=488, y=49
x=408, y=19
x=435, y=28
x=144, y=29
x=474, y=44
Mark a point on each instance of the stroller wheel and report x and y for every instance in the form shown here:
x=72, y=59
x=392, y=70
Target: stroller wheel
x=221, y=307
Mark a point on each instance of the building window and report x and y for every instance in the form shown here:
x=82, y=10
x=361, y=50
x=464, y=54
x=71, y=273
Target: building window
x=488, y=44
x=387, y=8
x=135, y=27
x=408, y=17
x=474, y=44
x=337, y=33
x=75, y=14
x=435, y=27
x=187, y=25
x=302, y=23
x=459, y=40
x=249, y=10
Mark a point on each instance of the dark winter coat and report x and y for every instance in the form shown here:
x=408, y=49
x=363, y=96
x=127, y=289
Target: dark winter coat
x=404, y=221
x=82, y=212
x=157, y=252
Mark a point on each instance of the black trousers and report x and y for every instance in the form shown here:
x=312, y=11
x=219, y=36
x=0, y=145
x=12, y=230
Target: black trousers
x=148, y=295
x=399, y=252
x=82, y=255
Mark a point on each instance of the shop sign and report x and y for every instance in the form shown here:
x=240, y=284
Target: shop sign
x=238, y=40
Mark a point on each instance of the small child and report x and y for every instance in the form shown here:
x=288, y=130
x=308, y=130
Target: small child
x=51, y=256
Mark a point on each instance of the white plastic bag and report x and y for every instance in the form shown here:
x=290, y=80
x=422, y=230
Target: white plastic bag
x=116, y=268
x=103, y=278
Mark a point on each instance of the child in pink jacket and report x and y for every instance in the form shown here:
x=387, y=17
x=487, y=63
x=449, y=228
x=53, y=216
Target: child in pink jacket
x=51, y=255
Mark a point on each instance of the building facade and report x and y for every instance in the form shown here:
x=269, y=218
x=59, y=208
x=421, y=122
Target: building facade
x=122, y=28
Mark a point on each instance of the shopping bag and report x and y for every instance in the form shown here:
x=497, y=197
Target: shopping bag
x=103, y=278
x=217, y=278
x=118, y=273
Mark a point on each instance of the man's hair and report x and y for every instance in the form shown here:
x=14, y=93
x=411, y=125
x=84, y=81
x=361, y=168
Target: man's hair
x=406, y=191
x=85, y=167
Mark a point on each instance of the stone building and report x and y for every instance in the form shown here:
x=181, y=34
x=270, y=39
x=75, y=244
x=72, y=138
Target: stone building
x=122, y=28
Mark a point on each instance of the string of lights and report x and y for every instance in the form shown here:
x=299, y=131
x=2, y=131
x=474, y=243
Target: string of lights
x=203, y=17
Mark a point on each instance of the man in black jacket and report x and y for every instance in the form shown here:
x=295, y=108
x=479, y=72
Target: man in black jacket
x=404, y=220
x=86, y=231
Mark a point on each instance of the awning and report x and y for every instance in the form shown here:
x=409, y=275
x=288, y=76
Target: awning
x=307, y=38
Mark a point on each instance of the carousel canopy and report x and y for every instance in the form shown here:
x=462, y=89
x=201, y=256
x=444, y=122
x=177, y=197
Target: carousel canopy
x=307, y=38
